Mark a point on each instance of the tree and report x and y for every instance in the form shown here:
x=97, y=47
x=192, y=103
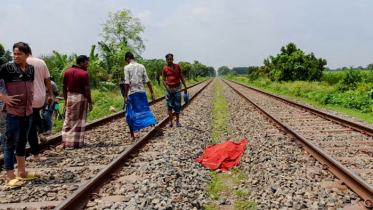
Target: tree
x=211, y=71
x=252, y=69
x=123, y=28
x=223, y=70
x=370, y=66
x=240, y=70
x=186, y=68
x=154, y=68
x=5, y=55
x=293, y=64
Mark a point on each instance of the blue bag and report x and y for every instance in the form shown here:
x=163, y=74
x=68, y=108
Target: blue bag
x=186, y=98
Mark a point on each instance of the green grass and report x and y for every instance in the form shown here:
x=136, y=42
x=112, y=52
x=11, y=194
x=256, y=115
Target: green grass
x=103, y=100
x=243, y=205
x=356, y=103
x=221, y=182
x=219, y=114
x=215, y=185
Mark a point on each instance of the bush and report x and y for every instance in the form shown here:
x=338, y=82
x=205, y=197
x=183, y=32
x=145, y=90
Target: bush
x=350, y=80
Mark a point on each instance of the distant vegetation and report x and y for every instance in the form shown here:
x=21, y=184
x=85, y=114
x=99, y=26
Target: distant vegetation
x=295, y=74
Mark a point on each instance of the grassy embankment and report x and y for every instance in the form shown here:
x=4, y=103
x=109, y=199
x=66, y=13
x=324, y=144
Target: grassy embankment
x=222, y=183
x=355, y=102
x=102, y=100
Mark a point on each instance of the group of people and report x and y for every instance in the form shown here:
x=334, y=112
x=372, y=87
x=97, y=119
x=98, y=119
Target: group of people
x=26, y=90
x=135, y=100
x=26, y=93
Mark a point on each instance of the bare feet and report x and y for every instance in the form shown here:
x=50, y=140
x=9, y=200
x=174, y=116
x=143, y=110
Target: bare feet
x=61, y=146
x=34, y=157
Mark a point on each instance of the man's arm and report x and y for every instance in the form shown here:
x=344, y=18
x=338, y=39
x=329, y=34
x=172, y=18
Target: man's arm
x=88, y=95
x=126, y=93
x=164, y=81
x=9, y=100
x=48, y=83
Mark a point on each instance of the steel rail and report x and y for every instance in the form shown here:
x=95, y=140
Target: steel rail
x=57, y=139
x=356, y=126
x=80, y=197
x=346, y=176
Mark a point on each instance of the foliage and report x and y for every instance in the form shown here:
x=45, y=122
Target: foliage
x=243, y=205
x=358, y=98
x=154, y=68
x=219, y=113
x=214, y=186
x=263, y=70
x=240, y=70
x=370, y=66
x=123, y=28
x=5, y=55
x=350, y=80
x=252, y=69
x=223, y=70
x=293, y=64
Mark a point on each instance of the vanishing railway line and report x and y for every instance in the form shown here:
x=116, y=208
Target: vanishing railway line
x=71, y=177
x=327, y=138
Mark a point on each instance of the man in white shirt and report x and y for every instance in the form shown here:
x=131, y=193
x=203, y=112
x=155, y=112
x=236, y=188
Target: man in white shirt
x=41, y=80
x=135, y=96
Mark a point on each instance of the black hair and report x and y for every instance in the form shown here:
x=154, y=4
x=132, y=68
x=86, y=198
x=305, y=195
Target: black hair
x=23, y=47
x=81, y=58
x=169, y=54
x=129, y=55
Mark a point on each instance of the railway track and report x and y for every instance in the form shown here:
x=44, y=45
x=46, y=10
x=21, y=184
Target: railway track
x=343, y=147
x=71, y=177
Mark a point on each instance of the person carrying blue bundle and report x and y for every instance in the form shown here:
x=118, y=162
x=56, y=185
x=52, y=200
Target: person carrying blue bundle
x=172, y=75
x=138, y=113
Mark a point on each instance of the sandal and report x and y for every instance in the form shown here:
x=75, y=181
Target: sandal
x=170, y=125
x=30, y=176
x=12, y=184
x=178, y=125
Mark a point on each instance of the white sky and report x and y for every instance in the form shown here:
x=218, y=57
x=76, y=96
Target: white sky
x=215, y=32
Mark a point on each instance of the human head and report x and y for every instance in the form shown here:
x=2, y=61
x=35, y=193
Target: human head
x=82, y=61
x=128, y=57
x=170, y=58
x=21, y=51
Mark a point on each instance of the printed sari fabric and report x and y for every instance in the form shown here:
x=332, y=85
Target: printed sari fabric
x=75, y=119
x=138, y=113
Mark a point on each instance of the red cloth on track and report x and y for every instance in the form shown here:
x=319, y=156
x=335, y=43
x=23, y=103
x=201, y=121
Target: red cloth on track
x=223, y=156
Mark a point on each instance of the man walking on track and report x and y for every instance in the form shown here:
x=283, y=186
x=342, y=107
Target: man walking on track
x=41, y=80
x=18, y=78
x=77, y=96
x=172, y=75
x=138, y=113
